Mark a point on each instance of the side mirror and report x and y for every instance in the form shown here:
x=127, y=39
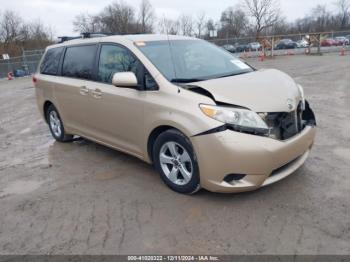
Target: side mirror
x=125, y=79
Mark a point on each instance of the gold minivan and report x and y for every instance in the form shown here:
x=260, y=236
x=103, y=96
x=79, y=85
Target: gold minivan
x=204, y=118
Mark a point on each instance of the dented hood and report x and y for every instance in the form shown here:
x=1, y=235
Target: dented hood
x=266, y=90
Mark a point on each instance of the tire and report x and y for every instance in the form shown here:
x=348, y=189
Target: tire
x=56, y=125
x=176, y=162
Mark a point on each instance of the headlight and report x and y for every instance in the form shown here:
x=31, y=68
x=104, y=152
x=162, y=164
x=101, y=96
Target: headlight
x=241, y=119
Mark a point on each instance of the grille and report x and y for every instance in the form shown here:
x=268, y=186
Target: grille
x=285, y=125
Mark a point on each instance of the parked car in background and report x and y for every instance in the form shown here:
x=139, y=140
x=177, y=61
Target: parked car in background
x=242, y=48
x=342, y=40
x=286, y=44
x=19, y=73
x=328, y=42
x=302, y=43
x=337, y=42
x=230, y=48
x=255, y=46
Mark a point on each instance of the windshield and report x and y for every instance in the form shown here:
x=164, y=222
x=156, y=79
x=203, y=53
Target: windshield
x=192, y=60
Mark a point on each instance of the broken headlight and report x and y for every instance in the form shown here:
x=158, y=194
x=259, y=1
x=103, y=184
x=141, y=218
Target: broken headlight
x=239, y=119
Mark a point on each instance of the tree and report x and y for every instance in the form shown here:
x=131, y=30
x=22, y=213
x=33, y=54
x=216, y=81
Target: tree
x=9, y=27
x=321, y=18
x=200, y=23
x=343, y=7
x=16, y=34
x=265, y=13
x=84, y=23
x=233, y=22
x=210, y=25
x=146, y=17
x=186, y=25
x=118, y=18
x=169, y=27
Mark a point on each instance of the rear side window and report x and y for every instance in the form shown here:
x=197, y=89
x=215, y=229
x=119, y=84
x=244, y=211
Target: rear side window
x=79, y=62
x=51, y=61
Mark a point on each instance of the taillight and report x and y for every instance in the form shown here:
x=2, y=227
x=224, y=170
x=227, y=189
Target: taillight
x=34, y=79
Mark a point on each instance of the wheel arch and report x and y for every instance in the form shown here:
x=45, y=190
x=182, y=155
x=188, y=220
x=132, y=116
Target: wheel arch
x=153, y=136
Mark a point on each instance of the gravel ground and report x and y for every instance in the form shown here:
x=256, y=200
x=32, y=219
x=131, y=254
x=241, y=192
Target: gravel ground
x=83, y=198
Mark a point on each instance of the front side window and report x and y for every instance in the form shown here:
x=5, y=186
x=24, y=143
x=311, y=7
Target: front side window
x=51, y=61
x=79, y=62
x=192, y=60
x=115, y=59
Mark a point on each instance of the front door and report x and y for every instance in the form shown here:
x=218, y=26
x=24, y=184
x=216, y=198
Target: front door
x=115, y=115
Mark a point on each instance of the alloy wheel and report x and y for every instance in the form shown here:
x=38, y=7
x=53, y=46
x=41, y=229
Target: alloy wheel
x=176, y=163
x=55, y=124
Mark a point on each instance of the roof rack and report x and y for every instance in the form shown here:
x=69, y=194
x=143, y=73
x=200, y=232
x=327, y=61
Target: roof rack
x=92, y=35
x=62, y=39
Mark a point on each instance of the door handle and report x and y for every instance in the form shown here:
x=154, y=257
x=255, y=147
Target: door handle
x=84, y=91
x=97, y=93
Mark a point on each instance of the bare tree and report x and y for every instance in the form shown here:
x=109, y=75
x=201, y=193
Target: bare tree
x=146, y=17
x=118, y=18
x=201, y=20
x=168, y=26
x=86, y=23
x=265, y=14
x=10, y=25
x=343, y=7
x=17, y=34
x=280, y=28
x=39, y=32
x=321, y=18
x=233, y=22
x=210, y=25
x=186, y=25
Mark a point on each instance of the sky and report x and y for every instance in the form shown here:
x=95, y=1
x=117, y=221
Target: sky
x=59, y=14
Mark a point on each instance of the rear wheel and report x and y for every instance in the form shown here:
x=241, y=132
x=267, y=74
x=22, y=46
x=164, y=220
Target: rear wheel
x=56, y=125
x=175, y=160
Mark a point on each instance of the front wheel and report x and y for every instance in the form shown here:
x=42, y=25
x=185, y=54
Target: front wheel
x=176, y=162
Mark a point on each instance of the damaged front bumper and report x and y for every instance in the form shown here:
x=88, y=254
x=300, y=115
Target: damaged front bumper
x=231, y=161
x=224, y=153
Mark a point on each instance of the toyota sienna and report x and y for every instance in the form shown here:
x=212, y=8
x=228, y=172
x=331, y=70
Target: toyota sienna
x=201, y=116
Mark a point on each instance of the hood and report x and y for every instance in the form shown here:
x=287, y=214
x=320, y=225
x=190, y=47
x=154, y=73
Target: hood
x=266, y=90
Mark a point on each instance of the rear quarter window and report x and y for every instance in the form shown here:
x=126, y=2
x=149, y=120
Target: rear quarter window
x=79, y=62
x=51, y=61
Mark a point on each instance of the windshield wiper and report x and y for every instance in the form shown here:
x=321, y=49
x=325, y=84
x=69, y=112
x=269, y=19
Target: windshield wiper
x=185, y=80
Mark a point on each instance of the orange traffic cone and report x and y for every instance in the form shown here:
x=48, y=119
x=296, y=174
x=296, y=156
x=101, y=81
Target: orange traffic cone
x=262, y=56
x=342, y=51
x=9, y=76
